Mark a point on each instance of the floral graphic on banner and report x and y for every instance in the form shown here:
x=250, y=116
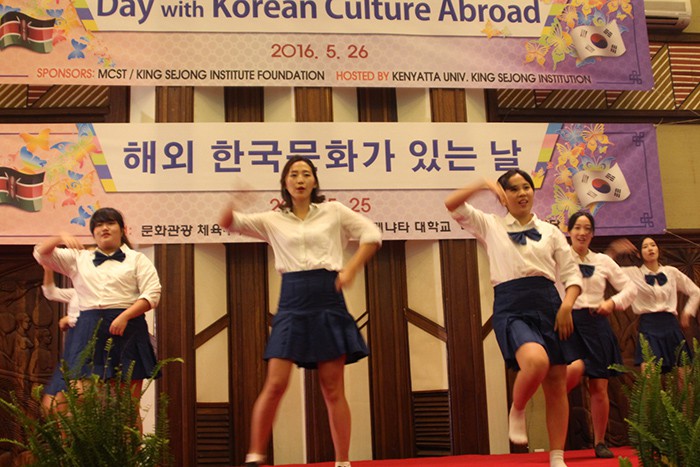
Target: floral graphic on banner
x=585, y=175
x=584, y=30
x=69, y=37
x=51, y=170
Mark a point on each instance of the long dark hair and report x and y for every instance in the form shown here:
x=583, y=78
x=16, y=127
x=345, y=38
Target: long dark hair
x=574, y=217
x=504, y=179
x=286, y=197
x=108, y=215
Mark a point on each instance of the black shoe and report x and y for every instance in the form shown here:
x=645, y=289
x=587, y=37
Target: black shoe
x=602, y=451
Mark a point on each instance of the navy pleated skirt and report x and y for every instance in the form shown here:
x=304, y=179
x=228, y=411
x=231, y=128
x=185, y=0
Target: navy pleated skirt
x=57, y=383
x=133, y=346
x=525, y=310
x=666, y=340
x=312, y=323
x=598, y=341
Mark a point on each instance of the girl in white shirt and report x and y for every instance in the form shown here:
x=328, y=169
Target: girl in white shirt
x=53, y=392
x=116, y=286
x=530, y=320
x=657, y=304
x=591, y=324
x=312, y=327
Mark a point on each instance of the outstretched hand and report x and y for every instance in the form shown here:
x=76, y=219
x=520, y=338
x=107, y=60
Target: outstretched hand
x=498, y=190
x=226, y=216
x=71, y=242
x=620, y=247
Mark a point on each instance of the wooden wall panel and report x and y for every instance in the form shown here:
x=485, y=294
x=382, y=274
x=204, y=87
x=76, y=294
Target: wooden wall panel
x=244, y=104
x=29, y=337
x=175, y=336
x=214, y=434
x=174, y=104
x=465, y=356
x=247, y=297
x=248, y=312
x=377, y=105
x=462, y=307
x=175, y=314
x=448, y=105
x=389, y=360
x=390, y=371
x=431, y=413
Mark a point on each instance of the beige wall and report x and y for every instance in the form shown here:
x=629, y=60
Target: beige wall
x=695, y=18
x=679, y=161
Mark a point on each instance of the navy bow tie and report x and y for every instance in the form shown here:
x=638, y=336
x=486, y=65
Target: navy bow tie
x=519, y=237
x=660, y=278
x=101, y=257
x=587, y=270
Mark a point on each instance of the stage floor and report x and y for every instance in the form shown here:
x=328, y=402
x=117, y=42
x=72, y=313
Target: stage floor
x=582, y=458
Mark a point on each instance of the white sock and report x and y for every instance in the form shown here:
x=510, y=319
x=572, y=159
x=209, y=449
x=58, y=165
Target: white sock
x=556, y=458
x=255, y=457
x=517, y=428
x=342, y=464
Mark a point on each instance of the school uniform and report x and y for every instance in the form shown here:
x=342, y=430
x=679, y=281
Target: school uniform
x=105, y=288
x=591, y=329
x=312, y=323
x=525, y=261
x=656, y=304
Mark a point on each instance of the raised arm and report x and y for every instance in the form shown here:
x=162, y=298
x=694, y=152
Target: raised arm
x=685, y=285
x=62, y=260
x=621, y=247
x=626, y=290
x=47, y=247
x=461, y=195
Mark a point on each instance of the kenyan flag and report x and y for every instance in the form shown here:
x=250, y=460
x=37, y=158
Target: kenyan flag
x=24, y=191
x=22, y=30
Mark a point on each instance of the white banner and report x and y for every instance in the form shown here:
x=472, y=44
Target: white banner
x=166, y=157
x=171, y=180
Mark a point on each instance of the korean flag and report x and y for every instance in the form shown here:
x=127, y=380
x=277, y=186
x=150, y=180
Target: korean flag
x=593, y=186
x=598, y=41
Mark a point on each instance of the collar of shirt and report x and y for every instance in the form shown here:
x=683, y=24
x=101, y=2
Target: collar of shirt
x=587, y=258
x=516, y=226
x=313, y=208
x=645, y=270
x=123, y=247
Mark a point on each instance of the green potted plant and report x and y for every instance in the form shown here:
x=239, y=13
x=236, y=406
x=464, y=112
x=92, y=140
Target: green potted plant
x=664, y=413
x=98, y=425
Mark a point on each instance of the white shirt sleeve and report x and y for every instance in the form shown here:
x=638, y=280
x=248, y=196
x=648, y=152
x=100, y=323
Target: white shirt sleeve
x=689, y=288
x=358, y=226
x=62, y=260
x=569, y=273
x=69, y=296
x=472, y=219
x=56, y=294
x=626, y=289
x=147, y=280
